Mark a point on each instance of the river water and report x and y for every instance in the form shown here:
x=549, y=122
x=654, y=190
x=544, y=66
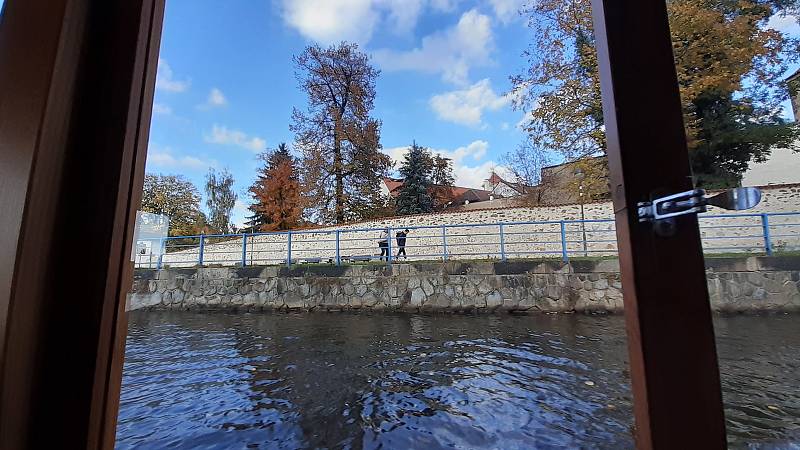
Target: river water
x=195, y=380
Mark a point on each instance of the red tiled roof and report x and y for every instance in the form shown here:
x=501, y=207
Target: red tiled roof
x=495, y=179
x=394, y=184
x=458, y=191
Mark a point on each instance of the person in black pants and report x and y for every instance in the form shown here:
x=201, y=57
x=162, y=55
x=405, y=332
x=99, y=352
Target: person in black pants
x=401, y=243
x=383, y=244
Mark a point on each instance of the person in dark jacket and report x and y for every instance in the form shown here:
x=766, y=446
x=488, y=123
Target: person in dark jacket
x=401, y=243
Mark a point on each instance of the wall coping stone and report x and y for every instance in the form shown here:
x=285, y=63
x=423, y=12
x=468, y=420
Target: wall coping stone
x=518, y=267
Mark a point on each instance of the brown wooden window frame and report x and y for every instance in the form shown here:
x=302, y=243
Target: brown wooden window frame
x=77, y=79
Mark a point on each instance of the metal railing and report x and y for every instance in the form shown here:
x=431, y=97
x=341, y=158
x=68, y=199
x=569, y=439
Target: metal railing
x=730, y=233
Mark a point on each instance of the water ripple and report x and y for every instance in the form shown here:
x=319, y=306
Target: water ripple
x=395, y=381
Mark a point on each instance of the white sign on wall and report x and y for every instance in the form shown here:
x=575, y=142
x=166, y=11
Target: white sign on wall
x=148, y=236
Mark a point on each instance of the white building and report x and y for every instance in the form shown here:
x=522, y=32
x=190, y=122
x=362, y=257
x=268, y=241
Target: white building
x=498, y=187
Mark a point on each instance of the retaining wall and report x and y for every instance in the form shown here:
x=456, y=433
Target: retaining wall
x=735, y=285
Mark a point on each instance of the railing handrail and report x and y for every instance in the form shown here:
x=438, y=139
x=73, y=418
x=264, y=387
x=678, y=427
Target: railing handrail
x=505, y=233
x=454, y=225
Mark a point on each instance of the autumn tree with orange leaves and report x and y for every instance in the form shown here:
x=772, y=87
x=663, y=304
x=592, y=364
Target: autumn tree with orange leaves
x=277, y=203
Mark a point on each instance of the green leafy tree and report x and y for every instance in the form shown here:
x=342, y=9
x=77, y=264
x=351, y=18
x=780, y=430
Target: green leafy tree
x=220, y=200
x=729, y=67
x=415, y=195
x=342, y=165
x=177, y=198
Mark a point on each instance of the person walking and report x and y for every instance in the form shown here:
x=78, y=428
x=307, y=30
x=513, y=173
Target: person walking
x=401, y=243
x=383, y=244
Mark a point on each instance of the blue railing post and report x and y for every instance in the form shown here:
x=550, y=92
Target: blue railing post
x=244, y=249
x=767, y=239
x=444, y=242
x=564, y=255
x=389, y=247
x=502, y=244
x=202, y=246
x=338, y=249
x=288, y=249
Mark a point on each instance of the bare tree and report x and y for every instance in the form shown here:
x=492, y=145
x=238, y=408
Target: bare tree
x=220, y=199
x=340, y=143
x=525, y=164
x=442, y=180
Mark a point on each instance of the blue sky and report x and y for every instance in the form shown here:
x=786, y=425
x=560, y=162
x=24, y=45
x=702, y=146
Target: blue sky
x=226, y=86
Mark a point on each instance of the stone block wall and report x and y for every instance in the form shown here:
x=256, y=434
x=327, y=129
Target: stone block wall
x=735, y=285
x=476, y=235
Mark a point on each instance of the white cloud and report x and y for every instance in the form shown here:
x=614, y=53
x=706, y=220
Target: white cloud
x=466, y=106
x=403, y=14
x=332, y=21
x=473, y=176
x=224, y=136
x=216, y=99
x=475, y=150
x=239, y=213
x=452, y=52
x=785, y=23
x=506, y=10
x=164, y=159
x=165, y=80
x=466, y=169
x=160, y=108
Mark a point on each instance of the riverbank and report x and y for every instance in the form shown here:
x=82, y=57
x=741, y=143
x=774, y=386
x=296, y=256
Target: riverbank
x=737, y=284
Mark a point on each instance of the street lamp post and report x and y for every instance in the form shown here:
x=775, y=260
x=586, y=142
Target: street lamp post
x=581, y=175
x=583, y=220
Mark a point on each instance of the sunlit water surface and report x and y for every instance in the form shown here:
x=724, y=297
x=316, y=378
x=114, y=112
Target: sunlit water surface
x=194, y=380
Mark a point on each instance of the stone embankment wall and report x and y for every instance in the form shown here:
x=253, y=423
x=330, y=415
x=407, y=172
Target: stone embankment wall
x=735, y=285
x=466, y=241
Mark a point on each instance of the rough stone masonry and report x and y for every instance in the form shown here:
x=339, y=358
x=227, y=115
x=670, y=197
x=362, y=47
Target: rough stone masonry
x=748, y=284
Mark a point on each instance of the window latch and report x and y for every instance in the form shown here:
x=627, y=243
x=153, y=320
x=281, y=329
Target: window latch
x=696, y=202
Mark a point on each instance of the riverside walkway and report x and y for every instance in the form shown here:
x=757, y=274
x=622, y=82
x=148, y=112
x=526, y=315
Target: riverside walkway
x=764, y=233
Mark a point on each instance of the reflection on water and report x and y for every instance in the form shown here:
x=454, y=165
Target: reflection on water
x=195, y=380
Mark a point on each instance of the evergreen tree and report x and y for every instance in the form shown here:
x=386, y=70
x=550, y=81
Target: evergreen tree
x=276, y=192
x=415, y=196
x=259, y=219
x=727, y=140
